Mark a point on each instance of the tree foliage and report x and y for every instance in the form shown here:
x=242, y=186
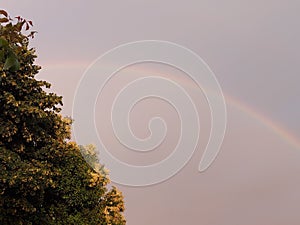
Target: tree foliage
x=44, y=179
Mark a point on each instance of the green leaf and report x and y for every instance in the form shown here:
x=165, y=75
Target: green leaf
x=11, y=63
x=3, y=42
x=1, y=55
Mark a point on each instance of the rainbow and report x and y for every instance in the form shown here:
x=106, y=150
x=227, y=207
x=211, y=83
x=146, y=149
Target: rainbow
x=274, y=126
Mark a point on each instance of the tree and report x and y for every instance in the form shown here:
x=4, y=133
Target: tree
x=44, y=179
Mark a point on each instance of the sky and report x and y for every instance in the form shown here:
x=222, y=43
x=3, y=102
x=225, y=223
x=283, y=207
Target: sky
x=253, y=49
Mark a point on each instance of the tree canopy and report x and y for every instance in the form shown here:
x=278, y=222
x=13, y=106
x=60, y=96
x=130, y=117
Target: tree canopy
x=44, y=179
